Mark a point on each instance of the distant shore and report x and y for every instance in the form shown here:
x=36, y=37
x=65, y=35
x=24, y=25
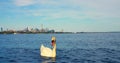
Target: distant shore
x=36, y=32
x=52, y=32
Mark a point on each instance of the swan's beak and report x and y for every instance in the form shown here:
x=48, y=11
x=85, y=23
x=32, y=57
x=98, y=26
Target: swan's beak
x=52, y=42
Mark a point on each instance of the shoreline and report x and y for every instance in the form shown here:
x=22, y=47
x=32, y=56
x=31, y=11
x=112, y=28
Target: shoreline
x=52, y=32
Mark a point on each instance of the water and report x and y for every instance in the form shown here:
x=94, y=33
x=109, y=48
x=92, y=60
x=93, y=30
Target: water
x=71, y=48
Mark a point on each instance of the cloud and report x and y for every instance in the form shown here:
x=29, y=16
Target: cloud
x=72, y=9
x=97, y=7
x=34, y=2
x=47, y=2
x=23, y=2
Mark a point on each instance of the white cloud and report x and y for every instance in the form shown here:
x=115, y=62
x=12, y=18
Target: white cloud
x=23, y=2
x=93, y=9
x=101, y=8
x=47, y=2
x=34, y=2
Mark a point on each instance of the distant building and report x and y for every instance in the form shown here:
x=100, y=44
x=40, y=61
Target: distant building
x=26, y=30
x=32, y=30
x=62, y=30
x=10, y=30
x=1, y=29
x=47, y=29
x=36, y=30
x=42, y=30
x=7, y=29
x=51, y=31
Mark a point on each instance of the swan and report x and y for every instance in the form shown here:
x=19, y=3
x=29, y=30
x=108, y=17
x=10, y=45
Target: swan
x=48, y=52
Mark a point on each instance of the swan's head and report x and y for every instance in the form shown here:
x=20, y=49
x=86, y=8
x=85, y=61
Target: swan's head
x=53, y=41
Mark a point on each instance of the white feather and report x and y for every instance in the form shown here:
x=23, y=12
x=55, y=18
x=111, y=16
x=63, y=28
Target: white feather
x=47, y=52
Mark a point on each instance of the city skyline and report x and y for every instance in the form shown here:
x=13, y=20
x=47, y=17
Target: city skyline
x=30, y=28
x=41, y=29
x=67, y=15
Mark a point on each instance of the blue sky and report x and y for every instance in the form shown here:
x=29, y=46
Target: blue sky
x=69, y=15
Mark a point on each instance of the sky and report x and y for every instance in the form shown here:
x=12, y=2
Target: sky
x=67, y=15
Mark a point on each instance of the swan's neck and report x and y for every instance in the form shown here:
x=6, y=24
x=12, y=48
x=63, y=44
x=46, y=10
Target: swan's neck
x=54, y=51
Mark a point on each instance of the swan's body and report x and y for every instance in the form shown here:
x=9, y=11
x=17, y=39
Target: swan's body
x=48, y=52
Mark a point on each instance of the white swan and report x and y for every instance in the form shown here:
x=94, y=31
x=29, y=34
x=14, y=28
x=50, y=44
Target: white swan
x=48, y=52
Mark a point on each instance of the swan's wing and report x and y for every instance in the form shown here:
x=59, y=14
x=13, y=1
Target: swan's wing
x=45, y=51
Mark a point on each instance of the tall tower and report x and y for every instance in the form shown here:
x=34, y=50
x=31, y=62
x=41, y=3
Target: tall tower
x=42, y=29
x=41, y=26
x=27, y=29
x=1, y=29
x=62, y=30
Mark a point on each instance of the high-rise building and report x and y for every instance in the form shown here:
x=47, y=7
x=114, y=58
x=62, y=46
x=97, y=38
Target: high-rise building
x=26, y=30
x=62, y=30
x=1, y=29
x=42, y=29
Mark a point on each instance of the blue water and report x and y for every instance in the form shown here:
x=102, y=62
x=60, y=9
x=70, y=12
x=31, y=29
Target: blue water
x=71, y=48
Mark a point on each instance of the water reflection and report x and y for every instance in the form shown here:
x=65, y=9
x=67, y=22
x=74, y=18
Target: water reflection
x=48, y=59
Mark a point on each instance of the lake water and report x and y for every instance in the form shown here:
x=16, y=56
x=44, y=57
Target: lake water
x=71, y=48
